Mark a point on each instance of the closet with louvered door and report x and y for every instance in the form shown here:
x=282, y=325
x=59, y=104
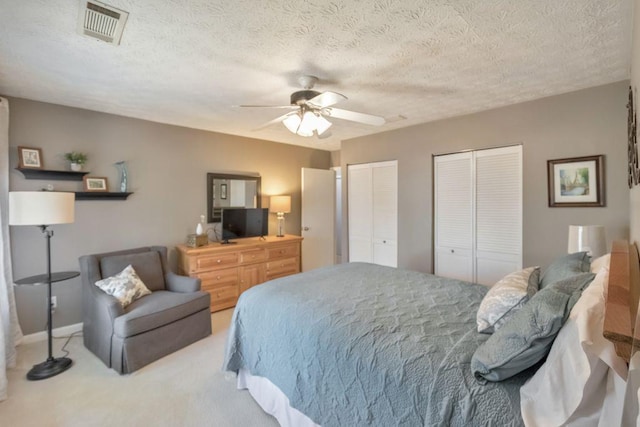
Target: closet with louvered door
x=372, y=195
x=478, y=214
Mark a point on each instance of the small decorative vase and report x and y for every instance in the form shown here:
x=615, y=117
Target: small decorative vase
x=124, y=175
x=76, y=167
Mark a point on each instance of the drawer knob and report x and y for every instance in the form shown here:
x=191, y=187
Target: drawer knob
x=452, y=251
x=218, y=278
x=219, y=261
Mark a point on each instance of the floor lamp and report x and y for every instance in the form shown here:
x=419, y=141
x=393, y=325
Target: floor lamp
x=43, y=208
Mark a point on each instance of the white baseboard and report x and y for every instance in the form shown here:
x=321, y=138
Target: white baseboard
x=57, y=332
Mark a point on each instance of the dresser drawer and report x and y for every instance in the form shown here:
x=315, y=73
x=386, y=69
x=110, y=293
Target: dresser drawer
x=253, y=255
x=282, y=267
x=284, y=251
x=219, y=278
x=208, y=262
x=223, y=297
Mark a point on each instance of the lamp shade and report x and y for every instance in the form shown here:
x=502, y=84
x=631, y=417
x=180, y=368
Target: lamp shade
x=280, y=204
x=41, y=207
x=587, y=238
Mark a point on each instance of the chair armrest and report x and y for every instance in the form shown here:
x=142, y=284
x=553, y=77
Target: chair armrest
x=182, y=284
x=109, y=303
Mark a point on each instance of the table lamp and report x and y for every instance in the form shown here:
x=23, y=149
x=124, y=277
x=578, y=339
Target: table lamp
x=280, y=205
x=43, y=208
x=587, y=238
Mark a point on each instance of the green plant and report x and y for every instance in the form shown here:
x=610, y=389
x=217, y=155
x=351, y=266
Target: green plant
x=76, y=157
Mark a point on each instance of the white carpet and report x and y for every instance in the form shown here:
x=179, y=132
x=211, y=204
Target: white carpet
x=186, y=388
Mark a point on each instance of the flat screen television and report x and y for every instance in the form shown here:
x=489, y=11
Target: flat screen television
x=241, y=222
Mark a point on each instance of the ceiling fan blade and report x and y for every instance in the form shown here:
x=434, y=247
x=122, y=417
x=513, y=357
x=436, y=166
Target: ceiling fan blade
x=326, y=99
x=353, y=116
x=290, y=107
x=276, y=120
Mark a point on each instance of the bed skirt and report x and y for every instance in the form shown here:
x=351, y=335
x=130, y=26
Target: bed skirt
x=272, y=400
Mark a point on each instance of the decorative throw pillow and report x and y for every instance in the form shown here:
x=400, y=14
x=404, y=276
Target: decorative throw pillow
x=527, y=337
x=565, y=266
x=125, y=286
x=504, y=298
x=577, y=365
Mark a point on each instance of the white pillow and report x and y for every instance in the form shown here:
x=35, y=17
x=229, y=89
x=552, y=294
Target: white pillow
x=572, y=383
x=504, y=298
x=600, y=262
x=125, y=286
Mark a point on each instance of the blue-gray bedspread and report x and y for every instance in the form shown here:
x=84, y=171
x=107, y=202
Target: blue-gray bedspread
x=361, y=344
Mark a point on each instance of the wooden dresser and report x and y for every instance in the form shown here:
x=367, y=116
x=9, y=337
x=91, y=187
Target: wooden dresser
x=228, y=270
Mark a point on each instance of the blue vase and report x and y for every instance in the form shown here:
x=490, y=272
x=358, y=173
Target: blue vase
x=122, y=169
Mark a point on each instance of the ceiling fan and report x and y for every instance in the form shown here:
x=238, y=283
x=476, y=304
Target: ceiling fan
x=311, y=108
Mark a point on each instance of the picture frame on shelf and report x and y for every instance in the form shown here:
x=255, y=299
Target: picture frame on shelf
x=95, y=184
x=576, y=182
x=30, y=158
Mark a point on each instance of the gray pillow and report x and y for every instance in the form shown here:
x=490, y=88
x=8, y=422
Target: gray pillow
x=565, y=266
x=533, y=284
x=527, y=336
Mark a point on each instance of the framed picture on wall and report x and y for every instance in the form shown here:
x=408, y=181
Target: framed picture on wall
x=94, y=183
x=29, y=158
x=576, y=182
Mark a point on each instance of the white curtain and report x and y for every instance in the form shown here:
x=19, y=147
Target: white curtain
x=10, y=333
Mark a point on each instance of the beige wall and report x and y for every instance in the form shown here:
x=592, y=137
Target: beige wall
x=635, y=82
x=586, y=122
x=167, y=170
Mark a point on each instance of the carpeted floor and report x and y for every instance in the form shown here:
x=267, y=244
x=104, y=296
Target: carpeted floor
x=185, y=388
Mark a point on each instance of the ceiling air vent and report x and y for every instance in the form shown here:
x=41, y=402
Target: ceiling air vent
x=101, y=21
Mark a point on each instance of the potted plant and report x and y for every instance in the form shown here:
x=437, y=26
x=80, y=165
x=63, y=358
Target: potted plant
x=76, y=160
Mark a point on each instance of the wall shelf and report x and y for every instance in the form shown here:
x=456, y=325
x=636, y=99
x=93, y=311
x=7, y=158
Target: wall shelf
x=101, y=195
x=53, y=175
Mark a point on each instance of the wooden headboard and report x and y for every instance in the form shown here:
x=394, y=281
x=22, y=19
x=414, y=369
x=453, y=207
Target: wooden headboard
x=622, y=294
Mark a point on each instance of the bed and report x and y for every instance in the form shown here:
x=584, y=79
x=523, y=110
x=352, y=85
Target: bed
x=363, y=344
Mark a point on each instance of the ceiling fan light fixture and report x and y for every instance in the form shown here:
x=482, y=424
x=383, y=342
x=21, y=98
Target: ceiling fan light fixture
x=305, y=124
x=322, y=125
x=309, y=122
x=292, y=122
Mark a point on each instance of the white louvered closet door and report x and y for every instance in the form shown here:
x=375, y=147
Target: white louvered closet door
x=478, y=214
x=360, y=217
x=385, y=213
x=373, y=212
x=454, y=216
x=498, y=213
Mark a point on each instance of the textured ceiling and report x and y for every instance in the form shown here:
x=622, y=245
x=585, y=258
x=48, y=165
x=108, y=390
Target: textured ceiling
x=190, y=62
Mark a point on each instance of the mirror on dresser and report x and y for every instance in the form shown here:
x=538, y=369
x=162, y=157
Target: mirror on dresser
x=231, y=191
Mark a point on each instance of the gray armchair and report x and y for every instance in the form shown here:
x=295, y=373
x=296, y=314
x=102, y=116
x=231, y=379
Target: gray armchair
x=174, y=315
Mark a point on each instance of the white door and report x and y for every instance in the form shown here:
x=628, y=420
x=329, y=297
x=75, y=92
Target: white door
x=318, y=222
x=385, y=213
x=454, y=216
x=478, y=214
x=360, y=197
x=373, y=212
x=498, y=213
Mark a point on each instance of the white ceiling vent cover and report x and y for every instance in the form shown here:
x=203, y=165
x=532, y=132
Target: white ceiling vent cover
x=101, y=21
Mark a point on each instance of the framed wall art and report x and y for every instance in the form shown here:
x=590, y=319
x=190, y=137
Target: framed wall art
x=29, y=158
x=94, y=183
x=576, y=182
